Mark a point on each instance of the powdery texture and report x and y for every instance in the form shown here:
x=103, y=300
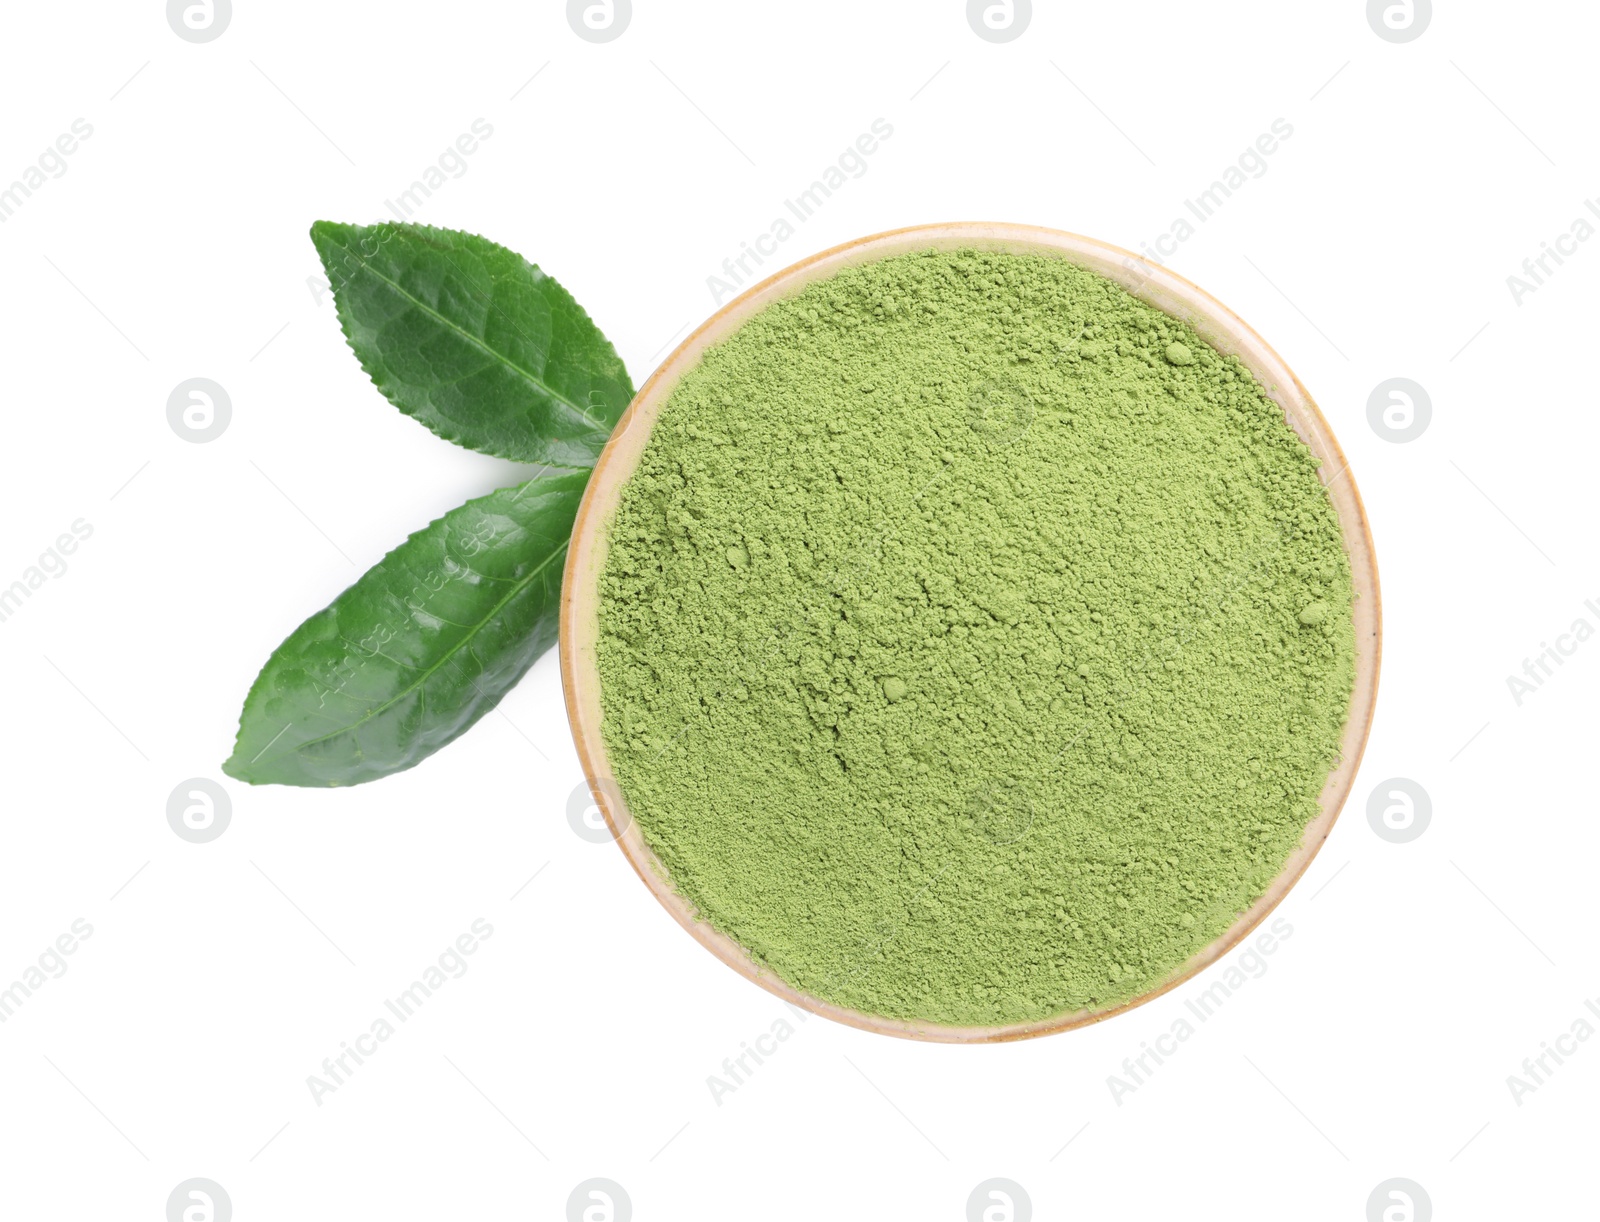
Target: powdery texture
x=975, y=639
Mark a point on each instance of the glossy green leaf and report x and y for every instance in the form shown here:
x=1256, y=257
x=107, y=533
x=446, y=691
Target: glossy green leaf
x=474, y=341
x=424, y=644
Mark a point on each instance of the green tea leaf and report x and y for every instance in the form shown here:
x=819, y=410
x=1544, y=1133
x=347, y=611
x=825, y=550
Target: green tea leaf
x=424, y=644
x=474, y=341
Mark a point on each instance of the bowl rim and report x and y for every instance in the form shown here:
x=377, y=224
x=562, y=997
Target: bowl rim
x=1152, y=283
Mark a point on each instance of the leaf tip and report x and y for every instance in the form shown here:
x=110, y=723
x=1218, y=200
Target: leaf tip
x=329, y=237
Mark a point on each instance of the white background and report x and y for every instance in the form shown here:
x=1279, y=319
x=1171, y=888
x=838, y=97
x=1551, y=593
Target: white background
x=1377, y=244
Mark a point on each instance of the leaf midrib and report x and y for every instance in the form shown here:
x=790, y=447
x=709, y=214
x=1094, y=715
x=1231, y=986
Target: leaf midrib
x=423, y=678
x=532, y=379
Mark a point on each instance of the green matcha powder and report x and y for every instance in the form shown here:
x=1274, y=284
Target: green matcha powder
x=975, y=640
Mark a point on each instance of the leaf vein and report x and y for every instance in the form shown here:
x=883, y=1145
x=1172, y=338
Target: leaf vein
x=531, y=378
x=427, y=674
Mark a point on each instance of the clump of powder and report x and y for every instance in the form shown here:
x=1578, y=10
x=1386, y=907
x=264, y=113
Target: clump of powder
x=975, y=640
